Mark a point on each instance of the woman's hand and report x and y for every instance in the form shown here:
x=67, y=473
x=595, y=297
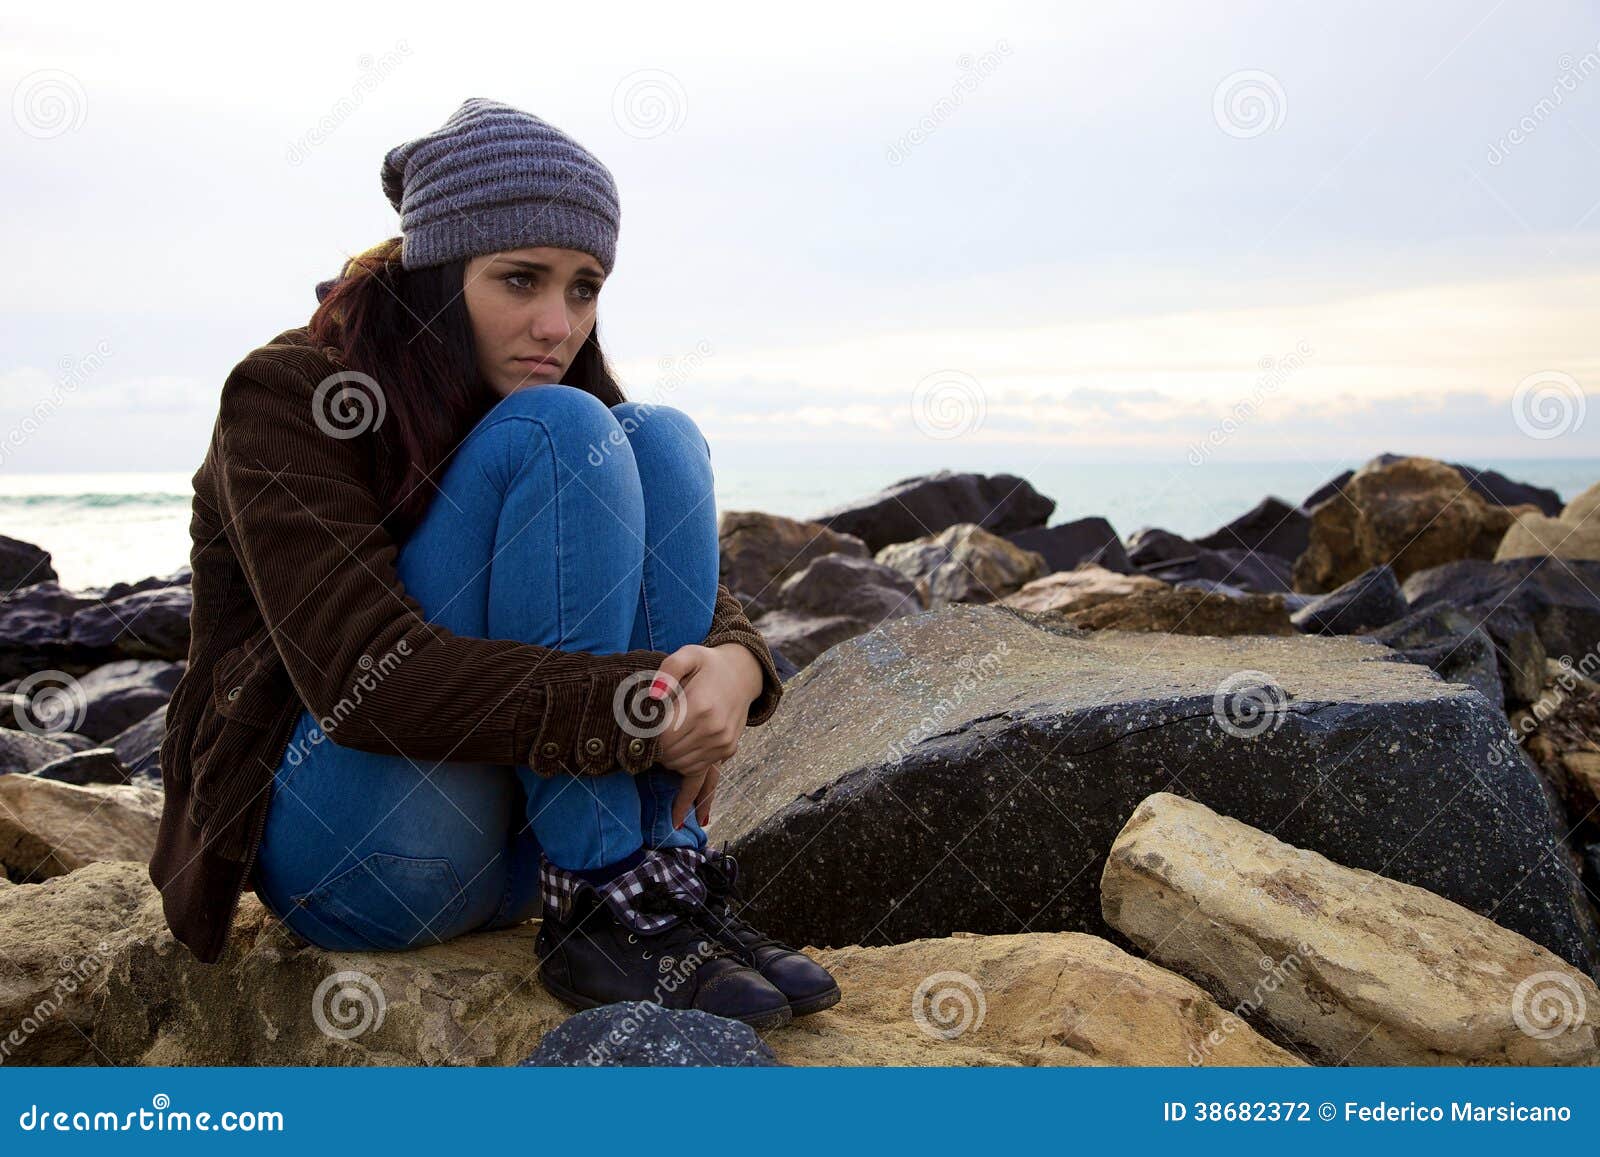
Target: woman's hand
x=711, y=689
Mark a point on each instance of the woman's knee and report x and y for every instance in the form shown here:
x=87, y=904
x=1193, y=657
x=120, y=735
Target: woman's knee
x=646, y=422
x=576, y=425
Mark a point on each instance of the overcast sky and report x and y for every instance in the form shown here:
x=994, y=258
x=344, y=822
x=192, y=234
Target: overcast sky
x=939, y=235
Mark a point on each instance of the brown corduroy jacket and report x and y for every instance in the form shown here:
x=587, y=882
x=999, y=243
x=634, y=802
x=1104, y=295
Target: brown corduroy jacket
x=296, y=601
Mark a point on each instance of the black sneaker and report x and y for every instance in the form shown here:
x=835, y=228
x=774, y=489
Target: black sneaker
x=590, y=956
x=809, y=986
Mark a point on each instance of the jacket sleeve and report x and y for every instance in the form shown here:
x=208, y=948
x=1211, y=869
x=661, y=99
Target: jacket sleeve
x=303, y=520
x=730, y=625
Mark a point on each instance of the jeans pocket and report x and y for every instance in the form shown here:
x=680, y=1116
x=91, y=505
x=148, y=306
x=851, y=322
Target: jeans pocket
x=391, y=902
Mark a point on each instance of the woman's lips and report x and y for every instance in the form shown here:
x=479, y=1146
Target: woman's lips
x=535, y=366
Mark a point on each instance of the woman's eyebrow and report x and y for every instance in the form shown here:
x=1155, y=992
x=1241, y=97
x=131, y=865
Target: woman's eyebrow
x=541, y=267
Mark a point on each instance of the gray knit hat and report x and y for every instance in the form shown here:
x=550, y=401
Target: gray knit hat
x=495, y=178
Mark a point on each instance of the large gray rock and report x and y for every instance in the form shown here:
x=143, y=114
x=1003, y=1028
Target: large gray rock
x=1084, y=540
x=118, y=695
x=147, y=624
x=928, y=503
x=139, y=746
x=966, y=770
x=1559, y=597
x=1272, y=526
x=25, y=751
x=842, y=584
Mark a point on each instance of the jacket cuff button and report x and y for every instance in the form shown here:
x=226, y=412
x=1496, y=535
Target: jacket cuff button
x=594, y=745
x=635, y=747
x=234, y=692
x=550, y=750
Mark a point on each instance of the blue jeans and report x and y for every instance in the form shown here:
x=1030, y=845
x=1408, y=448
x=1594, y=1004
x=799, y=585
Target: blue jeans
x=560, y=522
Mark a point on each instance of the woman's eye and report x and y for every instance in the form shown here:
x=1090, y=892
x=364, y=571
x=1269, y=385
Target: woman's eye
x=588, y=290
x=515, y=277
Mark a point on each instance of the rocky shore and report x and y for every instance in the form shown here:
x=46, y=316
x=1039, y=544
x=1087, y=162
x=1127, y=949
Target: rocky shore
x=1320, y=787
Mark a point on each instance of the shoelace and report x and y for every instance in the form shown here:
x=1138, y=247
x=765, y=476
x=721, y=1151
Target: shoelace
x=722, y=885
x=657, y=897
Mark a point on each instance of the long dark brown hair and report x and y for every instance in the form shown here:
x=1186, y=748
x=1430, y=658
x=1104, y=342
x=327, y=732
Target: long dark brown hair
x=409, y=331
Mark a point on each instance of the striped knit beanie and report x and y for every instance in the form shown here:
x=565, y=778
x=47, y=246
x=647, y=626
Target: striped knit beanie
x=494, y=178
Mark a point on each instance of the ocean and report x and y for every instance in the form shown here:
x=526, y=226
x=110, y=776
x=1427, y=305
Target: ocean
x=105, y=528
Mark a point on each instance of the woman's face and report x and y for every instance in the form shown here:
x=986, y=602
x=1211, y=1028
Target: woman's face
x=530, y=304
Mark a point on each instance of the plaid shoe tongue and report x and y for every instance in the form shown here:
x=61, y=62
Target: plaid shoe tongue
x=675, y=869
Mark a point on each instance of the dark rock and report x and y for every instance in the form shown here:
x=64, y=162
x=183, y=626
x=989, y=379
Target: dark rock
x=1065, y=546
x=183, y=576
x=1270, y=527
x=23, y=564
x=803, y=637
x=1371, y=599
x=117, y=695
x=139, y=747
x=1262, y=574
x=96, y=765
x=23, y=751
x=644, y=1034
x=842, y=584
x=977, y=769
x=40, y=615
x=1559, y=599
x=1150, y=545
x=147, y=624
x=928, y=503
x=1447, y=641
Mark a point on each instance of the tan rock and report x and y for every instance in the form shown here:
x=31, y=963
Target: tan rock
x=963, y=563
x=1576, y=534
x=759, y=551
x=49, y=828
x=57, y=940
x=1363, y=970
x=1584, y=507
x=1042, y=998
x=1079, y=589
x=1412, y=513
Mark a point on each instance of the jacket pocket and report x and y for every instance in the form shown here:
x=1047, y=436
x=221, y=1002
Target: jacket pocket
x=248, y=683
